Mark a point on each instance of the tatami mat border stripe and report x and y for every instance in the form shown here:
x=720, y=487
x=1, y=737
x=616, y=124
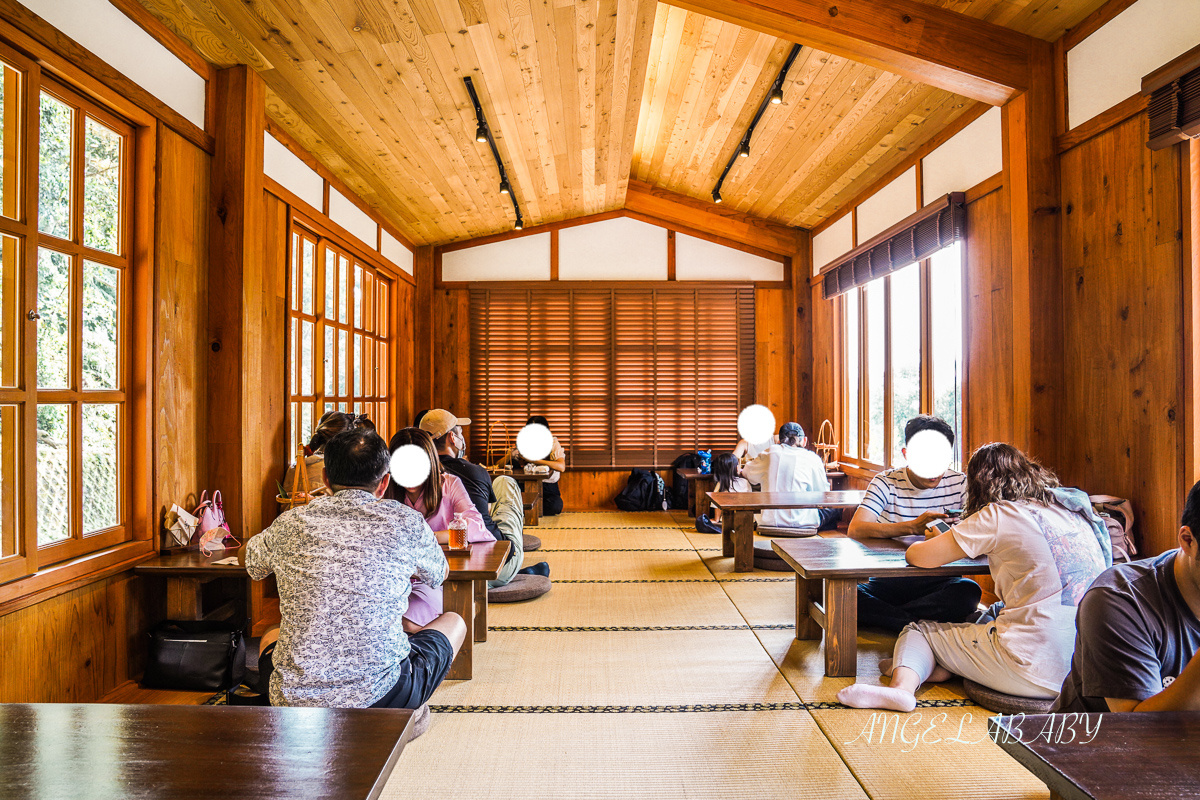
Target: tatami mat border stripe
x=620, y=550
x=704, y=708
x=782, y=626
x=673, y=580
x=610, y=528
x=828, y=706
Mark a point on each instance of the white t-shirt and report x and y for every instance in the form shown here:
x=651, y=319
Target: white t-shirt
x=785, y=468
x=1042, y=558
x=556, y=454
x=892, y=496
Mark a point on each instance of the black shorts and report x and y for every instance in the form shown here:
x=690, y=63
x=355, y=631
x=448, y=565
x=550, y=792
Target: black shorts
x=421, y=673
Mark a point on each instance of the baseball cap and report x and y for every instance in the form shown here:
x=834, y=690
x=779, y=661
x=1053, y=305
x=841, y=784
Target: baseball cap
x=438, y=422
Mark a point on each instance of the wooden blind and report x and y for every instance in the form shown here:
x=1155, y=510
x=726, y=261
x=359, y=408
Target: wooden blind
x=1174, y=104
x=920, y=235
x=626, y=377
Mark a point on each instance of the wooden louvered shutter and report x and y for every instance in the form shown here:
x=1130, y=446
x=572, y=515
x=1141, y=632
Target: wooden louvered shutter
x=1174, y=100
x=626, y=377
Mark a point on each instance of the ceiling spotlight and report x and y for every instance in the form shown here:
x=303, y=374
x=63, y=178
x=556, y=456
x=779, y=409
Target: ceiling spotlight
x=776, y=95
x=519, y=225
x=481, y=134
x=744, y=149
x=716, y=195
x=505, y=188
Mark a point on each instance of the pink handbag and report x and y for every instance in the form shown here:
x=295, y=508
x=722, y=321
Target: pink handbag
x=213, y=529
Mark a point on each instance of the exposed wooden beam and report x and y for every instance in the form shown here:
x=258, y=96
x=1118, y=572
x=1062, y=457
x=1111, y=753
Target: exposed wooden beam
x=941, y=48
x=718, y=220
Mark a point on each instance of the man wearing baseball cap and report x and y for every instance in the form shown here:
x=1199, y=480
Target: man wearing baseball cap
x=498, y=502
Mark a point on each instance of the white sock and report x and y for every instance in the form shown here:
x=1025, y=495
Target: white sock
x=863, y=695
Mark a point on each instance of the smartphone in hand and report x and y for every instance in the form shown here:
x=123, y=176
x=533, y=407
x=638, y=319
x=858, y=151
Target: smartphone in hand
x=936, y=527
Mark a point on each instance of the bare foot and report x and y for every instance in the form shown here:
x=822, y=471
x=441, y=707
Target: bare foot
x=885, y=668
x=862, y=695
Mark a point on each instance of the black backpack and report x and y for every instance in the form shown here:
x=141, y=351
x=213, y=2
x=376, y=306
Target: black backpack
x=679, y=485
x=643, y=492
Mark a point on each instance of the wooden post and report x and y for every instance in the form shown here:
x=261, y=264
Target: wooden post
x=238, y=402
x=841, y=627
x=424, y=265
x=1031, y=181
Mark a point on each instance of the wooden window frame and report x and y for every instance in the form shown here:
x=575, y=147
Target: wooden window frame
x=32, y=573
x=926, y=405
x=377, y=327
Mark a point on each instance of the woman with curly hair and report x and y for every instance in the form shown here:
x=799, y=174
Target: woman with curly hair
x=330, y=425
x=1044, y=547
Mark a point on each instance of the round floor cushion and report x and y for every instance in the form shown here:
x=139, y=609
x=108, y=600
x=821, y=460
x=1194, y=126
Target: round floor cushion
x=522, y=587
x=1005, y=703
x=531, y=542
x=766, y=558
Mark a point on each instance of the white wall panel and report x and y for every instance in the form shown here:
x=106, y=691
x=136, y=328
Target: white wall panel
x=526, y=258
x=1109, y=65
x=114, y=37
x=834, y=241
x=352, y=218
x=973, y=154
x=396, y=252
x=888, y=206
x=620, y=249
x=702, y=260
x=284, y=166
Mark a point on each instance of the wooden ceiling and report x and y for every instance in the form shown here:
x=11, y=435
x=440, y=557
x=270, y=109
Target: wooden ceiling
x=581, y=96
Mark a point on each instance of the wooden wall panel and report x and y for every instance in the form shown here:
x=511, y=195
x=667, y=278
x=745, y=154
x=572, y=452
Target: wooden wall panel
x=988, y=322
x=826, y=335
x=452, y=350
x=181, y=322
x=403, y=378
x=1123, y=285
x=774, y=368
x=76, y=647
x=593, y=490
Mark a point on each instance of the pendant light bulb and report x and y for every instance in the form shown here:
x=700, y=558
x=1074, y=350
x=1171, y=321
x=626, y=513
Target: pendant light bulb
x=744, y=149
x=716, y=195
x=519, y=225
x=776, y=95
x=481, y=134
x=504, y=188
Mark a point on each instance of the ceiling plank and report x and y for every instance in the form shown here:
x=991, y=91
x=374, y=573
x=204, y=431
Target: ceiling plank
x=941, y=48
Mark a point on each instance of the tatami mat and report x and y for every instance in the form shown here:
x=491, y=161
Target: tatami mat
x=764, y=603
x=657, y=756
x=611, y=538
x=619, y=668
x=803, y=664
x=933, y=752
x=622, y=605
x=609, y=519
x=613, y=565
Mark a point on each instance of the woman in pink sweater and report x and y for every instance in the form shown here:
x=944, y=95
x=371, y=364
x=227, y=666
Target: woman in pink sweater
x=439, y=498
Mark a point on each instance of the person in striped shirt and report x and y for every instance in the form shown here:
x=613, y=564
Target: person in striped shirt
x=900, y=503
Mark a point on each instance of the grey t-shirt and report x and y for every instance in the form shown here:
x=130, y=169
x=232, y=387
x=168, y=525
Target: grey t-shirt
x=1134, y=635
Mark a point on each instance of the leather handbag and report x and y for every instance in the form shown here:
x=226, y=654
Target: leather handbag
x=195, y=656
x=213, y=528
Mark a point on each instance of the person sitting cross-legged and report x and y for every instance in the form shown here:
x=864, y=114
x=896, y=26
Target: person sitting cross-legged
x=1044, y=546
x=1137, y=641
x=790, y=467
x=899, y=502
x=344, y=564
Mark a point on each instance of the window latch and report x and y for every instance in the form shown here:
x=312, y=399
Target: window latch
x=33, y=315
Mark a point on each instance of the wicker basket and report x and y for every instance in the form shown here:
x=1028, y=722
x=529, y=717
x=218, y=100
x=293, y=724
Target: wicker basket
x=826, y=445
x=299, y=495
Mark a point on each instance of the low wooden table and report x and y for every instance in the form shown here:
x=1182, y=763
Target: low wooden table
x=738, y=510
x=185, y=574
x=840, y=563
x=699, y=485
x=1140, y=755
x=465, y=593
x=528, y=482
x=114, y=752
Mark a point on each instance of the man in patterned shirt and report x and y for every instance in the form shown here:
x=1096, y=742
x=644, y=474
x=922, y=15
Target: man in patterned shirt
x=899, y=503
x=344, y=564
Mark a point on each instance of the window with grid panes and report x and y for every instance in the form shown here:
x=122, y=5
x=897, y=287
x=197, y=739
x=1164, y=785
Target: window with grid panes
x=626, y=377
x=902, y=355
x=338, y=334
x=65, y=200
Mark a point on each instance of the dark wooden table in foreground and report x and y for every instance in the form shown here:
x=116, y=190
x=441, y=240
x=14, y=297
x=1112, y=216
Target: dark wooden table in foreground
x=840, y=563
x=102, y=752
x=464, y=592
x=1134, y=756
x=738, y=510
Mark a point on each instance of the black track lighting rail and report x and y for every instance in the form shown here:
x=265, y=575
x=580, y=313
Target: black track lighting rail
x=484, y=133
x=773, y=97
